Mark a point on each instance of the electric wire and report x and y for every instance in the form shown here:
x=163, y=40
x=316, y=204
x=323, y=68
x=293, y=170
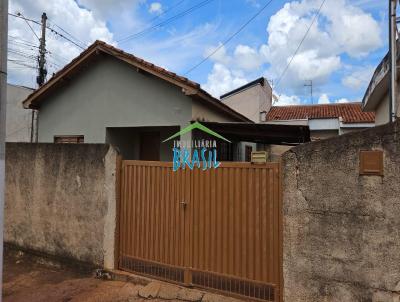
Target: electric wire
x=165, y=22
x=300, y=44
x=166, y=11
x=230, y=37
x=48, y=27
x=26, y=20
x=69, y=34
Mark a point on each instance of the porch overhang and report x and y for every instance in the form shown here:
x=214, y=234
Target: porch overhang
x=262, y=133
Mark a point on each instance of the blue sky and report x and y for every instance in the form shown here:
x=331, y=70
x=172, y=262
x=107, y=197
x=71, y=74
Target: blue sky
x=340, y=53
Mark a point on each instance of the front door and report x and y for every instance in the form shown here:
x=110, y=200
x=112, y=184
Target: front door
x=150, y=146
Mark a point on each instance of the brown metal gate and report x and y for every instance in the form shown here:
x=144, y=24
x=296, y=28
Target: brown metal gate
x=219, y=229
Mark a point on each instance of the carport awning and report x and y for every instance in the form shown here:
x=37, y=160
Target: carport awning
x=262, y=133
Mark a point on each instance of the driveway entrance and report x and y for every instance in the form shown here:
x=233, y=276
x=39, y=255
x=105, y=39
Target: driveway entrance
x=218, y=229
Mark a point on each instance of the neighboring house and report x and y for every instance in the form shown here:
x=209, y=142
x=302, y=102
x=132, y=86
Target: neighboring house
x=254, y=100
x=251, y=100
x=376, y=97
x=19, y=120
x=324, y=120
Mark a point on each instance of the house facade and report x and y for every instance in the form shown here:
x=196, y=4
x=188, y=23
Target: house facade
x=19, y=120
x=252, y=99
x=108, y=96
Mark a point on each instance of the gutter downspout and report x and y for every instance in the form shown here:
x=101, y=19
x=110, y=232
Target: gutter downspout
x=393, y=56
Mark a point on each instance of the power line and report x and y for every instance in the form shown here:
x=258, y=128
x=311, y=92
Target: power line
x=169, y=20
x=20, y=40
x=230, y=37
x=166, y=11
x=18, y=43
x=69, y=34
x=19, y=15
x=21, y=63
x=22, y=54
x=160, y=15
x=301, y=43
x=48, y=27
x=56, y=56
x=66, y=38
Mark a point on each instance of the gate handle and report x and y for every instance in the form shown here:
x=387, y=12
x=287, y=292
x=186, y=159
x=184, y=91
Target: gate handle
x=183, y=204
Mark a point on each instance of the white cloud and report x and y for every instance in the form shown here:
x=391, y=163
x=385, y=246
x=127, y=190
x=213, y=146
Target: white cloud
x=222, y=80
x=285, y=100
x=323, y=99
x=357, y=33
x=219, y=56
x=308, y=65
x=79, y=21
x=104, y=8
x=359, y=78
x=178, y=49
x=247, y=58
x=155, y=8
x=342, y=29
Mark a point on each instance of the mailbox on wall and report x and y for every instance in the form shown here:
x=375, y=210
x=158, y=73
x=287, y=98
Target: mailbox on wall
x=371, y=162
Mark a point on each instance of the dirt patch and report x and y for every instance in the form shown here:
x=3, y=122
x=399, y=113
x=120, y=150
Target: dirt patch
x=36, y=279
x=31, y=278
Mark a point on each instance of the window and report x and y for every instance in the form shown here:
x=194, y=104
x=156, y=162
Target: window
x=68, y=139
x=247, y=153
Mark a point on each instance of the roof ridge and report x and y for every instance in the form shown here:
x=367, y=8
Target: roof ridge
x=320, y=105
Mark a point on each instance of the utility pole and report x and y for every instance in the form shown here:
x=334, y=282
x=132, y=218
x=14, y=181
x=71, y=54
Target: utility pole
x=311, y=90
x=41, y=77
x=392, y=60
x=42, y=54
x=3, y=105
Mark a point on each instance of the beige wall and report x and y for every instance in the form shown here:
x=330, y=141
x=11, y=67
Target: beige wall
x=251, y=101
x=18, y=124
x=382, y=111
x=60, y=200
x=341, y=239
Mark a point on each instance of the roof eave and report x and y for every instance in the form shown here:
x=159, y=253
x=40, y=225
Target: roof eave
x=375, y=92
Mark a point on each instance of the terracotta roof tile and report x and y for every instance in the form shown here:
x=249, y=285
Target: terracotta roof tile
x=349, y=112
